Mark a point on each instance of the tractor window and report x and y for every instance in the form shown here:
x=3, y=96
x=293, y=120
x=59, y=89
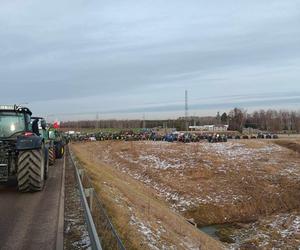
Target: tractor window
x=52, y=134
x=11, y=123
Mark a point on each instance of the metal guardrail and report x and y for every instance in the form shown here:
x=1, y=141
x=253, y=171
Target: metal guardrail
x=102, y=233
x=95, y=242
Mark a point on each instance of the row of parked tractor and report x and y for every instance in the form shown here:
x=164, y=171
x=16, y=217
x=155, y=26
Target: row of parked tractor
x=128, y=135
x=28, y=145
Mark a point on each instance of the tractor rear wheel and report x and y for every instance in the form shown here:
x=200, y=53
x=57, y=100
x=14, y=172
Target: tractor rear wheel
x=51, y=156
x=31, y=170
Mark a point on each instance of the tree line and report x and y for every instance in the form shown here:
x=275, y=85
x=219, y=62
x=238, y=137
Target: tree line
x=237, y=119
x=265, y=120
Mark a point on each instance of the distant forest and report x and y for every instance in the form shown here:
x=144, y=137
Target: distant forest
x=237, y=119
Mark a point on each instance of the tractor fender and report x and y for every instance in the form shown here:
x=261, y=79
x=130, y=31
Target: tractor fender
x=29, y=142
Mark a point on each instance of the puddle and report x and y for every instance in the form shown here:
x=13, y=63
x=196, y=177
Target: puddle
x=222, y=232
x=211, y=231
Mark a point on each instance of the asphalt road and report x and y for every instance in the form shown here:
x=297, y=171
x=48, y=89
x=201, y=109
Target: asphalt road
x=30, y=220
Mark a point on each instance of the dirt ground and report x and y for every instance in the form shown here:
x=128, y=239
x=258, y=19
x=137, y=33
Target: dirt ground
x=251, y=185
x=75, y=230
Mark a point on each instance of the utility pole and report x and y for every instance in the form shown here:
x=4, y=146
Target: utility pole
x=186, y=111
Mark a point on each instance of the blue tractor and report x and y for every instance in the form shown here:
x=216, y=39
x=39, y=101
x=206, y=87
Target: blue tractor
x=23, y=149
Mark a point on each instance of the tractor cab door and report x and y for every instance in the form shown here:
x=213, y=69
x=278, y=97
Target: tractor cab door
x=43, y=130
x=35, y=127
x=39, y=127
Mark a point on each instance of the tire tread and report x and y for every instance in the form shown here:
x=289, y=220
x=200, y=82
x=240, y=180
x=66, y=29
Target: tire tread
x=29, y=171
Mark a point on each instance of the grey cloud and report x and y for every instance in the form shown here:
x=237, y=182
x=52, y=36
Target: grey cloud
x=72, y=50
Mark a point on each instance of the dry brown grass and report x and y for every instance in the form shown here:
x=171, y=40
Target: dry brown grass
x=290, y=144
x=237, y=181
x=124, y=196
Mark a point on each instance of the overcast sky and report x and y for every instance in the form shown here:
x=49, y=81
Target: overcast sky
x=126, y=59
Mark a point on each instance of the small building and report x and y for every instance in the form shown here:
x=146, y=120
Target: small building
x=209, y=128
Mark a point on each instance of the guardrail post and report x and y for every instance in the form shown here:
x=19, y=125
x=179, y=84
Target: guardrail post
x=89, y=193
x=81, y=174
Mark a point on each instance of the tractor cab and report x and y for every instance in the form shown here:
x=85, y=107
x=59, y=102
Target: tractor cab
x=14, y=121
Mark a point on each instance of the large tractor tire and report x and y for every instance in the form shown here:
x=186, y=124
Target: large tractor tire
x=60, y=150
x=46, y=162
x=51, y=156
x=31, y=170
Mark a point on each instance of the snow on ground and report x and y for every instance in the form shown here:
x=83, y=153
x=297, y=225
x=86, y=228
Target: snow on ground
x=146, y=160
x=155, y=162
x=237, y=151
x=286, y=225
x=291, y=171
x=189, y=175
x=152, y=234
x=73, y=224
x=281, y=231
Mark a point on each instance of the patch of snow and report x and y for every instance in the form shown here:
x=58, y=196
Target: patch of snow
x=156, y=162
x=151, y=236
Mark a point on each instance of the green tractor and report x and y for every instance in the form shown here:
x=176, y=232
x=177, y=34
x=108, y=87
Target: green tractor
x=59, y=142
x=23, y=149
x=50, y=143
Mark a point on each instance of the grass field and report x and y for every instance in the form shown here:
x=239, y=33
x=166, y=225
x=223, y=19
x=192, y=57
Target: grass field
x=152, y=186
